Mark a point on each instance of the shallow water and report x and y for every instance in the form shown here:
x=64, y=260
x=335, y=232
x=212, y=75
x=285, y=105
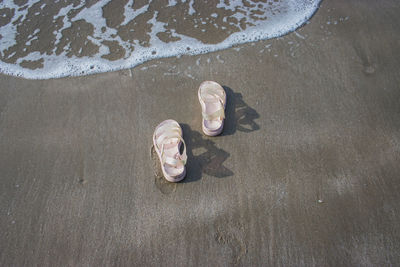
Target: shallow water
x=49, y=39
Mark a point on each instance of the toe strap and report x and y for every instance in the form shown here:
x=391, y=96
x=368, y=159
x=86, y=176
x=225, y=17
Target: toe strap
x=213, y=89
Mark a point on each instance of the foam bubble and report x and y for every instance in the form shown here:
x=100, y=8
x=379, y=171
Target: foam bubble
x=41, y=40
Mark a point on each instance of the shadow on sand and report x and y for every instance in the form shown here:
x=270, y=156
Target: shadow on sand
x=203, y=156
x=239, y=115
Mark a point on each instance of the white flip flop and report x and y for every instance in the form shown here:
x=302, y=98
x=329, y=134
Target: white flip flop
x=212, y=99
x=167, y=140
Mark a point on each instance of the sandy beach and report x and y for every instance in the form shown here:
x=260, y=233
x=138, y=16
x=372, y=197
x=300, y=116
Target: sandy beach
x=306, y=172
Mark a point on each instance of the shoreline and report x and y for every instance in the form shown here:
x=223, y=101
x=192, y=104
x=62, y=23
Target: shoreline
x=79, y=59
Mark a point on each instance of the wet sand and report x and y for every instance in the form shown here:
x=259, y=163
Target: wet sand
x=307, y=172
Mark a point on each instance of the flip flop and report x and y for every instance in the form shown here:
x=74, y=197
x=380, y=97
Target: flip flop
x=167, y=140
x=212, y=99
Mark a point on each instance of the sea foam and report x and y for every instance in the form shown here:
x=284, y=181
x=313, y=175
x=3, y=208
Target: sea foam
x=42, y=40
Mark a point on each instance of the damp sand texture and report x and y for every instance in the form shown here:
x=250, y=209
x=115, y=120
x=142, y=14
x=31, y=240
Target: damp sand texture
x=306, y=172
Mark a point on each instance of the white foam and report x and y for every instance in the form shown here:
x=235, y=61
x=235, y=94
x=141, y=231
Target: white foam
x=292, y=14
x=130, y=13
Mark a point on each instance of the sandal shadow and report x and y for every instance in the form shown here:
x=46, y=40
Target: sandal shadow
x=210, y=160
x=239, y=116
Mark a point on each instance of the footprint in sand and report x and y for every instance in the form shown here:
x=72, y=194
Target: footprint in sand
x=163, y=185
x=232, y=235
